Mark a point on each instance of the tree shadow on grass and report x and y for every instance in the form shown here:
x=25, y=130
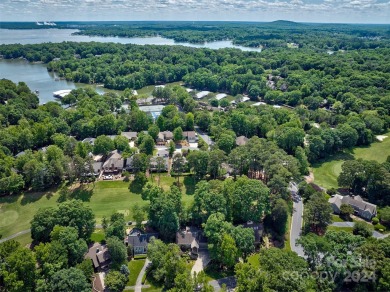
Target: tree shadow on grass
x=345, y=155
x=31, y=197
x=189, y=182
x=81, y=192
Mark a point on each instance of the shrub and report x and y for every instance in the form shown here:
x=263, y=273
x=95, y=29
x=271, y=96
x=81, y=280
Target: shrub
x=375, y=220
x=379, y=227
x=362, y=228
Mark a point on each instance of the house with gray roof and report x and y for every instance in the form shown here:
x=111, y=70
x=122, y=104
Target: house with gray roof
x=114, y=163
x=99, y=255
x=190, y=136
x=361, y=208
x=191, y=238
x=139, y=241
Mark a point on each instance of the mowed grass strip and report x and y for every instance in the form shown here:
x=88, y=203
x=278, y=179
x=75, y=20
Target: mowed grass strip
x=135, y=267
x=108, y=197
x=326, y=171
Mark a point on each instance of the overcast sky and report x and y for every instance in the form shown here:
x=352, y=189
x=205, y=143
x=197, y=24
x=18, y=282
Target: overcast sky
x=344, y=11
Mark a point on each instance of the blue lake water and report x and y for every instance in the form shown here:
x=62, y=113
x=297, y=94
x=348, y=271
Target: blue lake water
x=38, y=78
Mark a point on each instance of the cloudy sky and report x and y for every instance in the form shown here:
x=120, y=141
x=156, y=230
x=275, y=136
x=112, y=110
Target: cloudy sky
x=348, y=11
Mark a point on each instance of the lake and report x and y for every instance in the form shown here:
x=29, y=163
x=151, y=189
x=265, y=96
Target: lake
x=37, y=36
x=38, y=78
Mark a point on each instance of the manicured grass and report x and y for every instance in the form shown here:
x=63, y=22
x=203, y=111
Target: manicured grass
x=287, y=235
x=327, y=170
x=254, y=260
x=336, y=228
x=98, y=235
x=336, y=218
x=135, y=267
x=24, y=239
x=107, y=198
x=16, y=212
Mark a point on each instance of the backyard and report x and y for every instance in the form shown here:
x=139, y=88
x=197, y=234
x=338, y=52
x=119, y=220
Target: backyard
x=326, y=171
x=105, y=198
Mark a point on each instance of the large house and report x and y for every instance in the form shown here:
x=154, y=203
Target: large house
x=190, y=136
x=163, y=137
x=99, y=255
x=191, y=238
x=362, y=208
x=114, y=163
x=139, y=241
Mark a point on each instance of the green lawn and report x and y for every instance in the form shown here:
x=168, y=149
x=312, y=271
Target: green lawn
x=327, y=170
x=107, y=198
x=135, y=267
x=336, y=228
x=254, y=260
x=98, y=235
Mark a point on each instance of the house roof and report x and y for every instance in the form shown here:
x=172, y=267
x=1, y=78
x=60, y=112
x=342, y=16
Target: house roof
x=99, y=254
x=129, y=135
x=258, y=229
x=115, y=159
x=357, y=202
x=202, y=94
x=240, y=141
x=188, y=236
x=167, y=135
x=139, y=239
x=189, y=134
x=219, y=96
x=97, y=166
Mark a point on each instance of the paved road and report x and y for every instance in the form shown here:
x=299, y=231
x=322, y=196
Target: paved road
x=201, y=262
x=375, y=233
x=296, y=227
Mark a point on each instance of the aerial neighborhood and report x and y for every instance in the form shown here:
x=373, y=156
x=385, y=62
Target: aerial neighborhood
x=262, y=166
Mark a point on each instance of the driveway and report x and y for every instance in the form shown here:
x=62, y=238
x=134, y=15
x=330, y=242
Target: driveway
x=201, y=262
x=375, y=233
x=296, y=227
x=230, y=283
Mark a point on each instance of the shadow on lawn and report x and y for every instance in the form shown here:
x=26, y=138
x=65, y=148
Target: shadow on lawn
x=189, y=182
x=32, y=197
x=81, y=192
x=346, y=155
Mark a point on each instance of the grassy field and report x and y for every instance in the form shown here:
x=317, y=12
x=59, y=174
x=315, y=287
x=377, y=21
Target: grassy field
x=107, y=197
x=135, y=267
x=327, y=171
